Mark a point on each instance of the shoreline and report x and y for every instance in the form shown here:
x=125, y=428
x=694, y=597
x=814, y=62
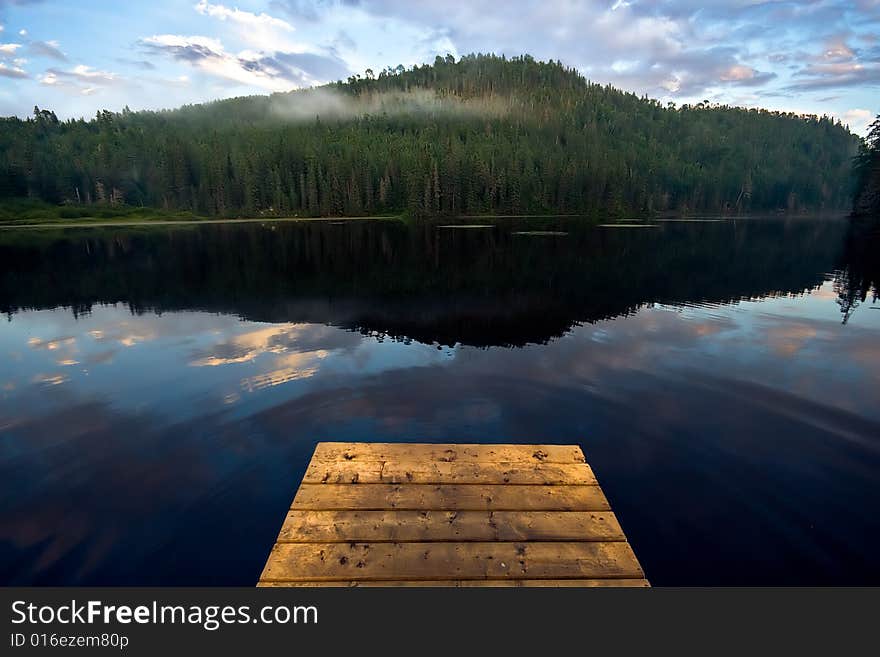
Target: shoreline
x=109, y=223
x=121, y=223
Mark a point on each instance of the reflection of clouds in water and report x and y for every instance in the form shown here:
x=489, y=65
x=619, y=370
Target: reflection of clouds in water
x=275, y=339
x=53, y=344
x=789, y=340
x=637, y=342
x=287, y=352
x=64, y=352
x=99, y=490
x=867, y=353
x=287, y=368
x=50, y=379
x=825, y=292
x=739, y=344
x=129, y=336
x=248, y=346
x=121, y=327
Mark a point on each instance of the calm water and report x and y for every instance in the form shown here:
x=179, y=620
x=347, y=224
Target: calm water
x=161, y=389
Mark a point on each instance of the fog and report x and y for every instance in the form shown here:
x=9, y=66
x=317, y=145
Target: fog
x=327, y=103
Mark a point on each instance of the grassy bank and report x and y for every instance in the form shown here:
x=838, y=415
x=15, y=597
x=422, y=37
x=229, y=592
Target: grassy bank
x=29, y=213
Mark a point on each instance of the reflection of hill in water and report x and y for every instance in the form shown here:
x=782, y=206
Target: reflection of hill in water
x=858, y=280
x=485, y=287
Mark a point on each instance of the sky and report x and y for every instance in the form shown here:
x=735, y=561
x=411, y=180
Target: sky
x=813, y=56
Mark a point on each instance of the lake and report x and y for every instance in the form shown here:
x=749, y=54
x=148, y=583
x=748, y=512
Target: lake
x=162, y=388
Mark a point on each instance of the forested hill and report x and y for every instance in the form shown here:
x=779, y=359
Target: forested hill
x=479, y=135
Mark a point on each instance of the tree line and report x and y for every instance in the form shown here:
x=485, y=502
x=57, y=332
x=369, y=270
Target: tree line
x=481, y=134
x=867, y=174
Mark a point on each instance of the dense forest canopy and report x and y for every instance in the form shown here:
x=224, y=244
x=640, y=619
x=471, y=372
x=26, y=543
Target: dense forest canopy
x=483, y=134
x=867, y=170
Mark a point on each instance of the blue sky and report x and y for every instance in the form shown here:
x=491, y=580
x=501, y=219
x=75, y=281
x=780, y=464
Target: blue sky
x=813, y=56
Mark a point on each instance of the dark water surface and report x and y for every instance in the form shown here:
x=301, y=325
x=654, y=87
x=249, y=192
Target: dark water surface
x=161, y=389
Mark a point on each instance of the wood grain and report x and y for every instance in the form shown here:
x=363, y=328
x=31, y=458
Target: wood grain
x=448, y=452
x=461, y=526
x=450, y=515
x=451, y=497
x=444, y=472
x=489, y=560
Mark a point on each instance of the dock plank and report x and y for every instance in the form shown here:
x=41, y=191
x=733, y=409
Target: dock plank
x=448, y=452
x=450, y=515
x=445, y=472
x=453, y=497
x=461, y=526
x=489, y=560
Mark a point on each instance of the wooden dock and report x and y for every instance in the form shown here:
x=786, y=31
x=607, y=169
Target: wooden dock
x=406, y=514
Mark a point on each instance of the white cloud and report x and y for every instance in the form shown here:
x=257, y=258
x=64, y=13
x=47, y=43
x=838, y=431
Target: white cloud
x=266, y=32
x=14, y=71
x=857, y=119
x=737, y=73
x=84, y=72
x=248, y=68
x=178, y=41
x=22, y=32
x=80, y=80
x=50, y=49
x=838, y=65
x=682, y=50
x=243, y=17
x=671, y=84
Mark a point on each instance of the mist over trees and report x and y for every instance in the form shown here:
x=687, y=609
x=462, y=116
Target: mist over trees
x=482, y=134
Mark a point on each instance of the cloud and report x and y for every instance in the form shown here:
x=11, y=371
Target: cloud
x=745, y=75
x=857, y=119
x=46, y=49
x=311, y=10
x=280, y=71
x=81, y=80
x=838, y=65
x=243, y=17
x=678, y=48
x=8, y=49
x=208, y=55
x=683, y=50
x=268, y=33
x=663, y=43
x=319, y=67
x=191, y=49
x=88, y=74
x=12, y=71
